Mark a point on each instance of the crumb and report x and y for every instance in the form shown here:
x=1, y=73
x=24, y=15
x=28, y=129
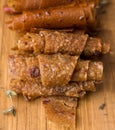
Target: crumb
x=102, y=106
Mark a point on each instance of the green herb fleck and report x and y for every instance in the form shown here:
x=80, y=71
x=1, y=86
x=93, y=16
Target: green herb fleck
x=11, y=110
x=10, y=93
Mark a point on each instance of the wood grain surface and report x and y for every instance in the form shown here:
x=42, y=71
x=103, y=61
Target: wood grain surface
x=31, y=116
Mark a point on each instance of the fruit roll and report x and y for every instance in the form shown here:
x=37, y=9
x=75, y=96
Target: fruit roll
x=51, y=42
x=17, y=6
x=61, y=110
x=32, y=90
x=54, y=70
x=53, y=18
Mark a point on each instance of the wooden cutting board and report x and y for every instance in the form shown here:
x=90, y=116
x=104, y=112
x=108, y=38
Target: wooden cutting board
x=31, y=116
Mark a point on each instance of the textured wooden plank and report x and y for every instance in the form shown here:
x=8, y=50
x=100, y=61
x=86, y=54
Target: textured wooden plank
x=31, y=116
x=2, y=99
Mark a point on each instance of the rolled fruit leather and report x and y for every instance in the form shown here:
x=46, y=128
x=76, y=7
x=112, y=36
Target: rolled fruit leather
x=61, y=69
x=18, y=6
x=55, y=18
x=51, y=42
x=32, y=90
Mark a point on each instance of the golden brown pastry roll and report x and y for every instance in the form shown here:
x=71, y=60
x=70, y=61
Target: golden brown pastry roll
x=53, y=18
x=18, y=6
x=31, y=89
x=51, y=42
x=61, y=110
x=55, y=67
